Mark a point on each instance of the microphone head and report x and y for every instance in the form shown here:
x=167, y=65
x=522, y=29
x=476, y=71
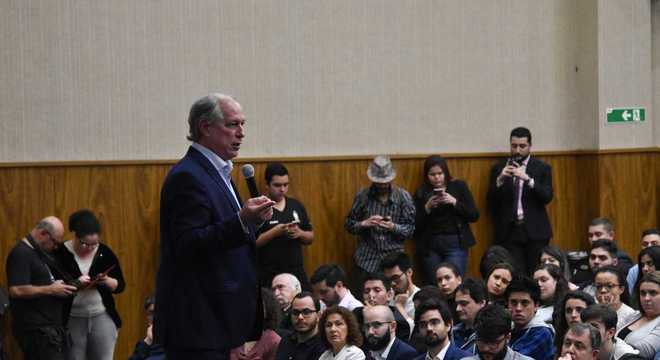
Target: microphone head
x=248, y=171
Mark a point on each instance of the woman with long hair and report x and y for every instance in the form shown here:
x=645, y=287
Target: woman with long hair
x=648, y=261
x=445, y=209
x=611, y=290
x=340, y=333
x=551, y=254
x=553, y=287
x=567, y=313
x=449, y=279
x=643, y=331
x=498, y=281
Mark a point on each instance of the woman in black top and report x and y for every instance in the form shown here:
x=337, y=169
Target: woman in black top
x=445, y=208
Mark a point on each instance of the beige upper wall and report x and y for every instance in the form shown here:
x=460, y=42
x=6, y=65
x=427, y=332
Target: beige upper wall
x=104, y=80
x=655, y=23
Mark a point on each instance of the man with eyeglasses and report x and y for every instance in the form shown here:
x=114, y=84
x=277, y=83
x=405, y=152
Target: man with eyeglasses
x=304, y=343
x=493, y=329
x=37, y=299
x=582, y=342
x=434, y=321
x=380, y=335
x=397, y=267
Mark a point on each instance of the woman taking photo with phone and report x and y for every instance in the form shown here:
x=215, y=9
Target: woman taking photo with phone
x=445, y=208
x=93, y=320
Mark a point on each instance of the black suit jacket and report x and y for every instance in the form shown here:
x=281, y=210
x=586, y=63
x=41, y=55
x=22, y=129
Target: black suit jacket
x=534, y=200
x=207, y=297
x=399, y=351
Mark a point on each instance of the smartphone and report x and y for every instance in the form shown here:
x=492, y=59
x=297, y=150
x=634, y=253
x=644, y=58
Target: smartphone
x=438, y=191
x=512, y=162
x=387, y=218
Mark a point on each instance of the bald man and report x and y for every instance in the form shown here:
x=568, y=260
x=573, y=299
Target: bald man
x=380, y=335
x=37, y=299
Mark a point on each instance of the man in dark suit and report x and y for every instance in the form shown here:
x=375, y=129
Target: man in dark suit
x=435, y=322
x=206, y=289
x=520, y=188
x=380, y=335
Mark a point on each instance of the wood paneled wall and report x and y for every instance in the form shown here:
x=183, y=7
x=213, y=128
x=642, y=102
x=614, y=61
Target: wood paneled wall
x=624, y=186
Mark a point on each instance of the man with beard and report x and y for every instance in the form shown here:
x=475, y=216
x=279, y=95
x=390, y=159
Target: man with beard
x=382, y=216
x=398, y=270
x=304, y=343
x=377, y=290
x=493, y=328
x=434, y=321
x=329, y=285
x=380, y=335
x=582, y=342
x=531, y=336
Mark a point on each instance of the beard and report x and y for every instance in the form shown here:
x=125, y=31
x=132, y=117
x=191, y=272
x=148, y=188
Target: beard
x=375, y=343
x=432, y=340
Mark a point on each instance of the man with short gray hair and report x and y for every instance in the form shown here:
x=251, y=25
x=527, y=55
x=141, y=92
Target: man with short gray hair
x=285, y=287
x=582, y=342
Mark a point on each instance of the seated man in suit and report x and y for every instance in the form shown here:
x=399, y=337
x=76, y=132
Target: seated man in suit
x=434, y=321
x=380, y=335
x=377, y=290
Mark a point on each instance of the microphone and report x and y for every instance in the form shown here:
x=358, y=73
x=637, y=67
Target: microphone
x=248, y=174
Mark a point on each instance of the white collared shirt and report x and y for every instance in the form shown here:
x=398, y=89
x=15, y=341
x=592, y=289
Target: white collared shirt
x=440, y=355
x=350, y=302
x=224, y=167
x=382, y=355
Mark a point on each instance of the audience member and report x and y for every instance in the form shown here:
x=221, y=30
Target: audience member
x=603, y=229
x=646, y=261
x=377, y=290
x=382, y=216
x=445, y=208
x=604, y=318
x=329, y=285
x=448, y=279
x=497, y=281
x=340, y=334
x=611, y=291
x=397, y=267
x=146, y=349
x=37, y=299
x=554, y=255
x=380, y=335
x=425, y=294
x=568, y=312
x=304, y=343
x=582, y=342
x=266, y=347
x=493, y=328
x=531, y=336
x=643, y=331
x=435, y=325
x=603, y=253
x=280, y=240
x=494, y=255
x=553, y=286
x=94, y=320
x=520, y=188
x=285, y=287
x=471, y=296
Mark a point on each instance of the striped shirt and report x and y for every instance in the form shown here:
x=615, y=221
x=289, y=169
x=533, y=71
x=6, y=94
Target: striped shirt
x=375, y=243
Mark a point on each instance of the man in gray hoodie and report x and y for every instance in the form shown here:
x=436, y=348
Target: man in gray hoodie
x=531, y=336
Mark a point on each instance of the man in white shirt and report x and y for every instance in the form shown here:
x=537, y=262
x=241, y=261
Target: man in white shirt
x=329, y=285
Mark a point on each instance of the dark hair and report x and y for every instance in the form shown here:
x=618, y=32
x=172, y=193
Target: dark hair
x=607, y=245
x=505, y=266
x=84, y=222
x=149, y=300
x=654, y=253
x=602, y=313
x=450, y=266
x=650, y=232
x=439, y=305
x=652, y=277
x=625, y=296
x=331, y=273
x=353, y=336
x=427, y=293
x=475, y=288
x=275, y=169
x=379, y=276
x=399, y=259
x=494, y=255
x=525, y=285
x=559, y=316
x=632, y=357
x=562, y=284
x=594, y=335
x=303, y=294
x=605, y=222
x=436, y=160
x=560, y=255
x=491, y=322
x=271, y=309
x=521, y=132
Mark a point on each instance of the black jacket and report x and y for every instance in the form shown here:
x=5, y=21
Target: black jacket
x=462, y=214
x=102, y=261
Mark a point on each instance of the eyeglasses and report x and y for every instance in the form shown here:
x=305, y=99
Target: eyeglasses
x=432, y=322
x=303, y=312
x=606, y=287
x=395, y=277
x=373, y=324
x=88, y=245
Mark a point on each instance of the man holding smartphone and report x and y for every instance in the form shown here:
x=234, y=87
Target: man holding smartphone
x=382, y=216
x=520, y=188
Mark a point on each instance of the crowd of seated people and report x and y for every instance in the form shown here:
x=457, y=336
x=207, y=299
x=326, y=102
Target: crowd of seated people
x=531, y=307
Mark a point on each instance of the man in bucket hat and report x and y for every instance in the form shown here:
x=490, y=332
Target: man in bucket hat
x=382, y=216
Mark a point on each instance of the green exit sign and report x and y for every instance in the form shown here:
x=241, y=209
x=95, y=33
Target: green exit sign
x=623, y=115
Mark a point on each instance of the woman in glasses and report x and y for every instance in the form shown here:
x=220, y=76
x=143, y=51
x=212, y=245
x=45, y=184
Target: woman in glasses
x=611, y=290
x=93, y=320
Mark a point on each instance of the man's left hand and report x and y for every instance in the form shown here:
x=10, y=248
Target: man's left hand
x=386, y=224
x=293, y=231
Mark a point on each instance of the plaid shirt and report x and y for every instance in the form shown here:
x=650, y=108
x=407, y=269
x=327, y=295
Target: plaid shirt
x=375, y=243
